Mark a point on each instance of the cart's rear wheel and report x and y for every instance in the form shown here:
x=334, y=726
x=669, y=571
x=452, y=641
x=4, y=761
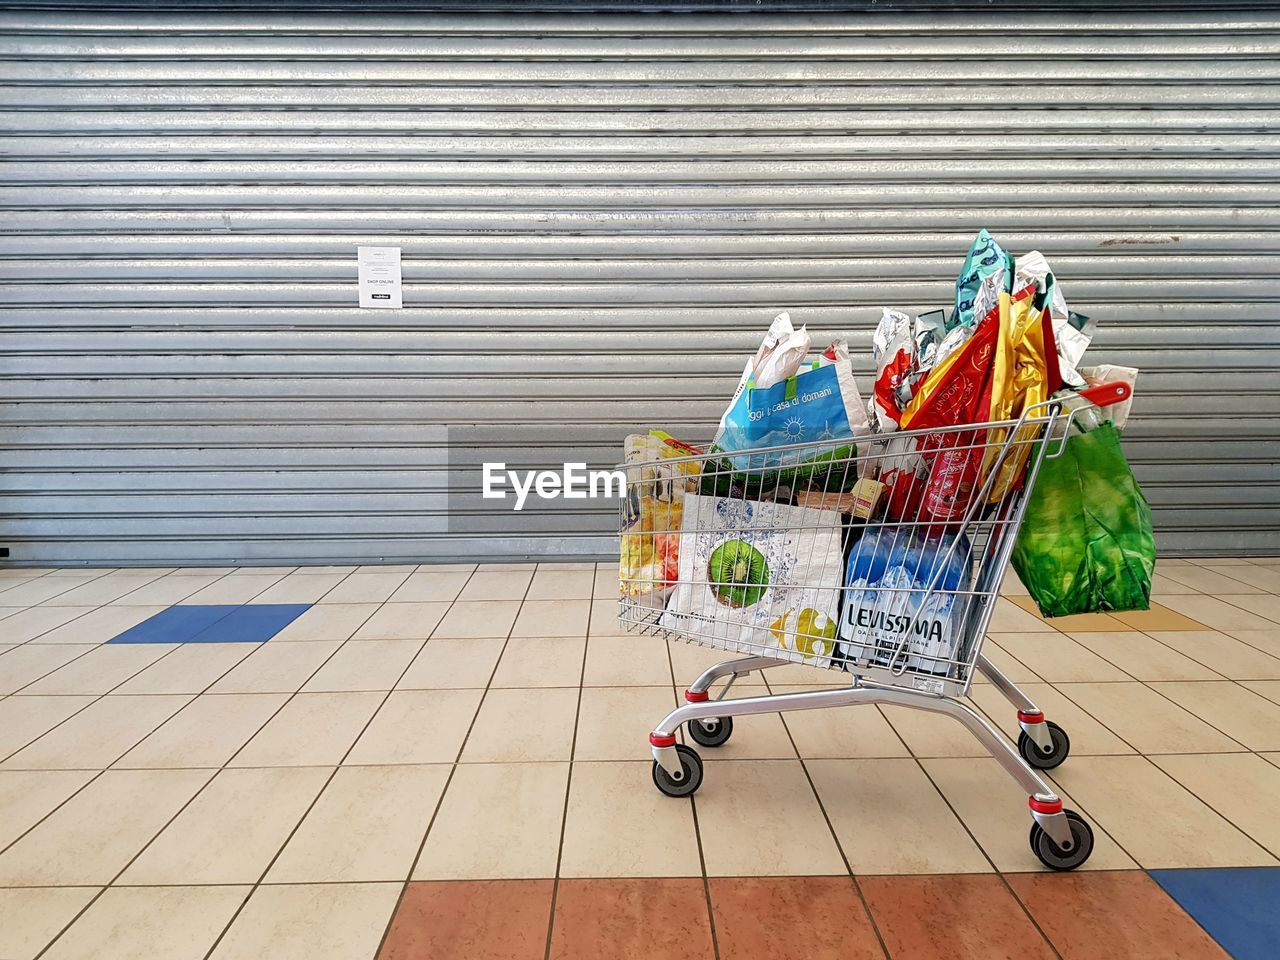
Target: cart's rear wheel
x=1032, y=753
x=1053, y=856
x=713, y=732
x=690, y=774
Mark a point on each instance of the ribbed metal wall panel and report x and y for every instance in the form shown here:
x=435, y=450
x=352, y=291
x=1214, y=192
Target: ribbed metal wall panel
x=599, y=215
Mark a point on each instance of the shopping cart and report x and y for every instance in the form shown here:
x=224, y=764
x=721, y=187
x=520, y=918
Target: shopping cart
x=717, y=532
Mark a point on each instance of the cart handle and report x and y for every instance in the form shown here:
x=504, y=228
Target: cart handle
x=1106, y=394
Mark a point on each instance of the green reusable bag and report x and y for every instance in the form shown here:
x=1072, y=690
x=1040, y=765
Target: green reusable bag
x=1086, y=543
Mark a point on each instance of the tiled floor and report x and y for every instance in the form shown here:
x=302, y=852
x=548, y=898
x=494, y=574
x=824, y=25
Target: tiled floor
x=451, y=761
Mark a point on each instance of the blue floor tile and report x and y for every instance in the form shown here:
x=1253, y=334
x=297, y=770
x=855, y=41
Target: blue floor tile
x=178, y=624
x=222, y=623
x=252, y=623
x=1237, y=905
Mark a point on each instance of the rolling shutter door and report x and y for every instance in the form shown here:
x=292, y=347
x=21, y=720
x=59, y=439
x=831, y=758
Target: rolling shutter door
x=599, y=216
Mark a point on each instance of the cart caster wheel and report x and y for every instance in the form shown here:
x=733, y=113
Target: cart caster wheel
x=719, y=732
x=1032, y=753
x=1052, y=856
x=691, y=774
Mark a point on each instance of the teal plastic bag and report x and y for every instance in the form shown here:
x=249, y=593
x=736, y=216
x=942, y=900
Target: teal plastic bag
x=1086, y=543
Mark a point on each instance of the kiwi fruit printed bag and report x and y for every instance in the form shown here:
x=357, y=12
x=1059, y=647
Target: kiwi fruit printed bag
x=758, y=574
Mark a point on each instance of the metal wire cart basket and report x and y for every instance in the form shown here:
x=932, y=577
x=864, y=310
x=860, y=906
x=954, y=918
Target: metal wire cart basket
x=883, y=560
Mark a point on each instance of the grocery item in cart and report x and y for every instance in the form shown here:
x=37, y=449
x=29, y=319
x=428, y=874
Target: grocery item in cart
x=781, y=353
x=1086, y=543
x=648, y=548
x=755, y=574
x=986, y=272
x=818, y=402
x=901, y=606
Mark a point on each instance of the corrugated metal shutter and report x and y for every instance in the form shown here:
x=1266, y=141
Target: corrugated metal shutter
x=599, y=217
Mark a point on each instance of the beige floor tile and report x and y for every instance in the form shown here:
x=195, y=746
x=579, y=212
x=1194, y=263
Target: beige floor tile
x=1155, y=820
x=367, y=665
x=1268, y=641
x=366, y=588
x=273, y=668
x=30, y=662
x=168, y=590
x=497, y=821
x=31, y=622
x=448, y=663
x=445, y=568
x=761, y=736
x=604, y=620
x=98, y=735
x=23, y=719
x=260, y=571
x=34, y=916
x=1013, y=668
x=343, y=569
x=1263, y=604
x=366, y=826
x=189, y=669
x=523, y=725
x=311, y=729
x=627, y=662
x=541, y=662
x=689, y=660
x=1265, y=578
x=1011, y=586
x=1059, y=658
x=91, y=837
x=1213, y=582
x=488, y=584
x=932, y=734
x=891, y=820
x=1226, y=655
x=1078, y=623
x=761, y=818
x=300, y=588
x=1088, y=736
x=1266, y=688
x=428, y=585
x=605, y=581
x=418, y=726
x=1162, y=586
x=618, y=825
x=240, y=588
x=1240, y=786
x=1213, y=614
x=1143, y=657
x=332, y=621
x=614, y=722
x=552, y=618
x=336, y=921
x=136, y=923
x=1145, y=719
x=402, y=621
x=860, y=732
x=102, y=668
x=43, y=590
x=994, y=808
x=205, y=733
x=479, y=619
x=231, y=830
x=1008, y=617
x=27, y=796
x=105, y=589
x=405, y=568
x=1239, y=713
x=555, y=582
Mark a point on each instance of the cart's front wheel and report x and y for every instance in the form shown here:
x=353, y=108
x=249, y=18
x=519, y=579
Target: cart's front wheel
x=1053, y=856
x=711, y=733
x=1038, y=758
x=690, y=774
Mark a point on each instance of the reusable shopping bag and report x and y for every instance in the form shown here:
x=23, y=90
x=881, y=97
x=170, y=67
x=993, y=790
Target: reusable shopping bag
x=1086, y=543
x=758, y=574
